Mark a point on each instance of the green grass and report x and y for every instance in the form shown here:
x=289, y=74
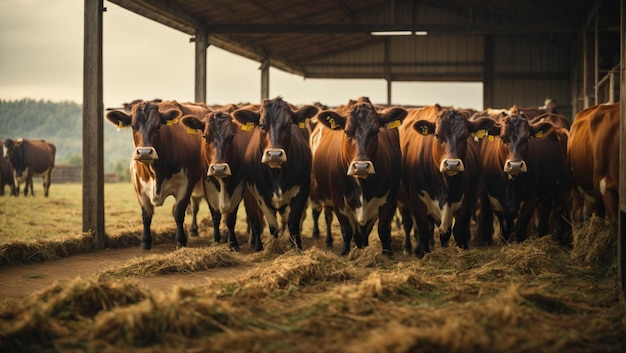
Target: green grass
x=40, y=218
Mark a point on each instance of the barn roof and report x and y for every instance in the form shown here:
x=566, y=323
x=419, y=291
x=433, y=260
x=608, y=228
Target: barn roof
x=333, y=38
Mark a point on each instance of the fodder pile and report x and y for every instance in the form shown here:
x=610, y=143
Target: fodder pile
x=595, y=243
x=529, y=297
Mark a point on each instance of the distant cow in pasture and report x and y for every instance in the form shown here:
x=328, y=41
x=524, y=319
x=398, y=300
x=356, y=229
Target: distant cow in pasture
x=166, y=159
x=356, y=166
x=524, y=168
x=30, y=158
x=593, y=152
x=222, y=153
x=277, y=163
x=441, y=177
x=6, y=173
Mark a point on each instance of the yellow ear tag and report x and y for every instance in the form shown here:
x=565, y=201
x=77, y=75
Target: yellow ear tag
x=480, y=133
x=192, y=131
x=539, y=134
x=490, y=138
x=247, y=127
x=332, y=122
x=301, y=125
x=119, y=124
x=172, y=122
x=424, y=130
x=393, y=124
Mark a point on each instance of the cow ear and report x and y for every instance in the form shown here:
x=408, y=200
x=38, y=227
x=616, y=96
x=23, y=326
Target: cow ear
x=493, y=131
x=481, y=125
x=424, y=127
x=393, y=117
x=331, y=120
x=119, y=118
x=304, y=113
x=170, y=117
x=540, y=129
x=247, y=117
x=192, y=122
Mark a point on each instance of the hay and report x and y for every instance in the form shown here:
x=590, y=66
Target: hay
x=595, y=243
x=370, y=256
x=184, y=260
x=17, y=252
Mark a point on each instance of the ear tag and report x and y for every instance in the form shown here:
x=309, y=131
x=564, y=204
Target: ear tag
x=424, y=130
x=119, y=125
x=172, y=122
x=301, y=125
x=332, y=122
x=192, y=131
x=480, y=133
x=539, y=134
x=393, y=124
x=249, y=126
x=490, y=138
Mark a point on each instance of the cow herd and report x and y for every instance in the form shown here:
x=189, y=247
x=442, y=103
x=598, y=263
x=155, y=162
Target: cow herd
x=440, y=168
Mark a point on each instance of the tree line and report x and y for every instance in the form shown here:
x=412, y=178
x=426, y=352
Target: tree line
x=61, y=123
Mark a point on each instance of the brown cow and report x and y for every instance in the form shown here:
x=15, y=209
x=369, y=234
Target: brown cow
x=356, y=165
x=30, y=158
x=593, y=149
x=166, y=159
x=225, y=143
x=441, y=166
x=6, y=173
x=277, y=163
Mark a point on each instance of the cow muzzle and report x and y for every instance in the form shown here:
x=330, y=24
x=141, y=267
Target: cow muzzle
x=219, y=170
x=361, y=169
x=512, y=167
x=274, y=157
x=451, y=166
x=145, y=154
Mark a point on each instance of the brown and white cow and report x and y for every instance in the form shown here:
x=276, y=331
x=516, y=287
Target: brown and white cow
x=278, y=163
x=441, y=168
x=6, y=173
x=30, y=158
x=166, y=159
x=593, y=149
x=524, y=170
x=356, y=166
x=224, y=147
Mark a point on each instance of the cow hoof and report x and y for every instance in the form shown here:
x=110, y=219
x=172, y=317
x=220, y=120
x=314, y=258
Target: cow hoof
x=406, y=251
x=180, y=245
x=234, y=248
x=329, y=245
x=194, y=233
x=145, y=246
x=388, y=253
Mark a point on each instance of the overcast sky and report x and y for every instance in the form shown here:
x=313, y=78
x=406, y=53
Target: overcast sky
x=41, y=51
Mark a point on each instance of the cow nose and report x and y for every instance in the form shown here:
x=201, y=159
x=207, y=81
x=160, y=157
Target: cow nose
x=219, y=170
x=451, y=166
x=274, y=157
x=145, y=154
x=361, y=169
x=512, y=167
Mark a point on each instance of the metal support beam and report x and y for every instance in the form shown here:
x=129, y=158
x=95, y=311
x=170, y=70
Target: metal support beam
x=265, y=78
x=93, y=111
x=202, y=44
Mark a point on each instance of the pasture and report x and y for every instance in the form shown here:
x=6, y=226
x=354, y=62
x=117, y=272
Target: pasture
x=58, y=295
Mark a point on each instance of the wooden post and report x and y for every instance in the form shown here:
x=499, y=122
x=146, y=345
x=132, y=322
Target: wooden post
x=93, y=111
x=621, y=222
x=202, y=44
x=265, y=78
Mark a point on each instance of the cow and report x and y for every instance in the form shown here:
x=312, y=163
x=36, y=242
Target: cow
x=277, y=164
x=225, y=143
x=356, y=165
x=593, y=148
x=6, y=173
x=30, y=158
x=441, y=166
x=166, y=159
x=524, y=170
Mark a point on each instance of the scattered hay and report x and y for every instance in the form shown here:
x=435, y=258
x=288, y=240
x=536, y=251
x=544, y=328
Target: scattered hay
x=369, y=256
x=595, y=243
x=125, y=239
x=532, y=257
x=17, y=252
x=184, y=260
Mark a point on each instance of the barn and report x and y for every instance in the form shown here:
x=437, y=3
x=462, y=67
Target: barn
x=521, y=53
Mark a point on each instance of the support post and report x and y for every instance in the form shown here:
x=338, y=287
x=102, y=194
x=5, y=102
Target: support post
x=202, y=43
x=621, y=221
x=93, y=111
x=265, y=78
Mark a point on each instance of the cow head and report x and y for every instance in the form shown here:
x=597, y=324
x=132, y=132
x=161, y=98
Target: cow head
x=14, y=152
x=146, y=121
x=361, y=125
x=218, y=130
x=515, y=132
x=451, y=130
x=275, y=119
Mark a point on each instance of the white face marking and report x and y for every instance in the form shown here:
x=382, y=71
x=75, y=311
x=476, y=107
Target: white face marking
x=443, y=216
x=222, y=200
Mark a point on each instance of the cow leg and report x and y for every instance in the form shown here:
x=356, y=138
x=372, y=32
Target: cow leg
x=315, y=213
x=524, y=217
x=346, y=233
x=384, y=228
x=328, y=217
x=485, y=221
x=179, y=218
x=407, y=224
x=46, y=183
x=146, y=235
x=543, y=210
x=216, y=218
x=231, y=219
x=425, y=227
x=195, y=207
x=461, y=229
x=294, y=221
